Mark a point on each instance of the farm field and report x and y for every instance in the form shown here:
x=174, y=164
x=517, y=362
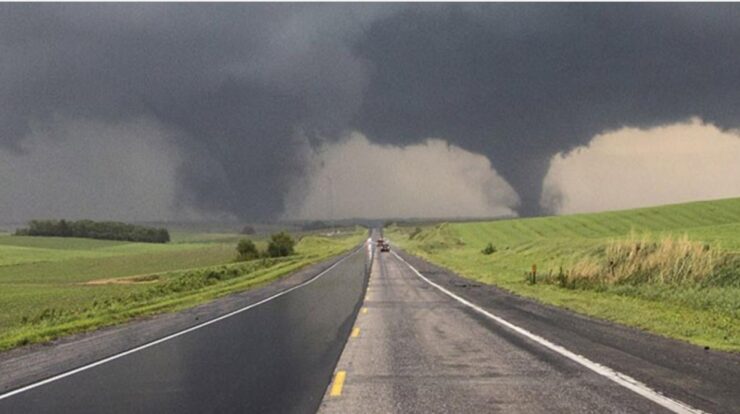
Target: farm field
x=673, y=270
x=54, y=286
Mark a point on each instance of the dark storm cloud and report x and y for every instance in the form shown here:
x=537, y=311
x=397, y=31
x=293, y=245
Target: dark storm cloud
x=244, y=87
x=235, y=82
x=520, y=82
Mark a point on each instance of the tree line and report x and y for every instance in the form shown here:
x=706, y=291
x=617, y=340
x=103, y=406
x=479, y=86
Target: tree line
x=104, y=230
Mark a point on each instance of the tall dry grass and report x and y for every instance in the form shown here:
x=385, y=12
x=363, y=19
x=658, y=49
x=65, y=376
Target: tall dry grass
x=641, y=259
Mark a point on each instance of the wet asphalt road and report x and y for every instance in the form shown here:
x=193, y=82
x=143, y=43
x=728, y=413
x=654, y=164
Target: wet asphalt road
x=276, y=357
x=417, y=350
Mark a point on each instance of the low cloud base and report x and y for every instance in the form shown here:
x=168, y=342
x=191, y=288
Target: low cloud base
x=355, y=178
x=78, y=169
x=631, y=168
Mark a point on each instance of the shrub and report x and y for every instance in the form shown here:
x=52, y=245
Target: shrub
x=637, y=261
x=248, y=230
x=281, y=244
x=489, y=249
x=247, y=250
x=214, y=276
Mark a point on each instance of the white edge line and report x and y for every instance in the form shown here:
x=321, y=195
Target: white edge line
x=621, y=379
x=171, y=336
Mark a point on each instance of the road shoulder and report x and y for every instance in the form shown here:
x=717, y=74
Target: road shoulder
x=705, y=379
x=26, y=365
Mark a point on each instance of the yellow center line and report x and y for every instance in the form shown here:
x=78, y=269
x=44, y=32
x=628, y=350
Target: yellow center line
x=336, y=387
x=355, y=332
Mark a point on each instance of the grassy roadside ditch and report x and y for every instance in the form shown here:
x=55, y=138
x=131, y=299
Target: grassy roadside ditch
x=672, y=270
x=84, y=305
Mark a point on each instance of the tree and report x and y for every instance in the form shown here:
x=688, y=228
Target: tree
x=63, y=229
x=247, y=250
x=163, y=236
x=248, y=230
x=281, y=244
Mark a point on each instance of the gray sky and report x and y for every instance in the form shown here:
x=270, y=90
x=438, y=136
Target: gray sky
x=231, y=106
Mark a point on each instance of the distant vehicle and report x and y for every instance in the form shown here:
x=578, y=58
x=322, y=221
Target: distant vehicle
x=386, y=247
x=380, y=242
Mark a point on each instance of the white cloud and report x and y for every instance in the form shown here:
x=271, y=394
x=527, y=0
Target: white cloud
x=641, y=167
x=88, y=169
x=355, y=178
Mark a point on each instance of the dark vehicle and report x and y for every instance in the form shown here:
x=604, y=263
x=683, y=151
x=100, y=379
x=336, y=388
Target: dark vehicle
x=386, y=247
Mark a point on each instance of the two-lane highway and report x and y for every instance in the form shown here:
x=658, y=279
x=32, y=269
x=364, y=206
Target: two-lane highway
x=420, y=340
x=276, y=355
x=418, y=350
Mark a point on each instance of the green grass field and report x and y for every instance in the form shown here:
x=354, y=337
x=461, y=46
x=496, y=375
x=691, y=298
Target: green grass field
x=610, y=264
x=55, y=286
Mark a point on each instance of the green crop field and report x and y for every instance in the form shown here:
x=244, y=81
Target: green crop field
x=673, y=270
x=53, y=286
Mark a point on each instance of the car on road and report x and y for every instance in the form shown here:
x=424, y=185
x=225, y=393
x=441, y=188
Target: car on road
x=386, y=247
